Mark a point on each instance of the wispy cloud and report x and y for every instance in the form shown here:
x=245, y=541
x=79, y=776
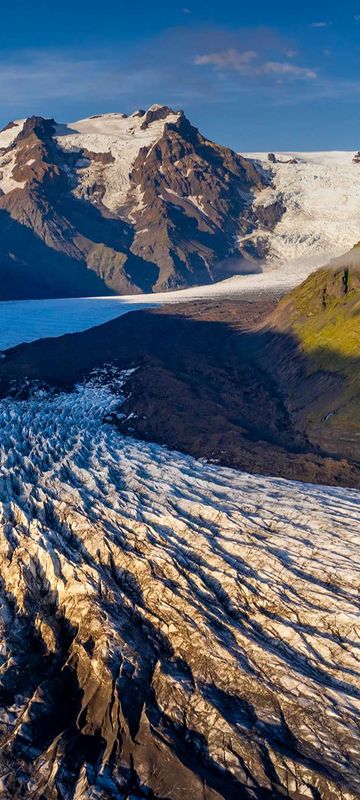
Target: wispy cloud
x=249, y=63
x=285, y=68
x=320, y=24
x=229, y=58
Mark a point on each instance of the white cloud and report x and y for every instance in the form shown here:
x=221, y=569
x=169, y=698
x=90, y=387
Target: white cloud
x=320, y=24
x=229, y=58
x=249, y=63
x=284, y=68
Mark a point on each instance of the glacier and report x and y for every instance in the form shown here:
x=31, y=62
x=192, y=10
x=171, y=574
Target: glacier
x=27, y=320
x=321, y=195
x=208, y=619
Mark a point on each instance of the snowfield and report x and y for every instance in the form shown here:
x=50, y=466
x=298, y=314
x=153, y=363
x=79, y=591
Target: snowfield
x=8, y=161
x=114, y=134
x=234, y=596
x=321, y=193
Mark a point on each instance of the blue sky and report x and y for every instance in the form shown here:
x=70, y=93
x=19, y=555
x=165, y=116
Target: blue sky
x=254, y=76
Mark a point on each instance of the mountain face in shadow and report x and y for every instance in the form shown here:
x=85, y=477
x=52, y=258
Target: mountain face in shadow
x=123, y=205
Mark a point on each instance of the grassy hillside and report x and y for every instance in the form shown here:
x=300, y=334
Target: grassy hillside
x=324, y=316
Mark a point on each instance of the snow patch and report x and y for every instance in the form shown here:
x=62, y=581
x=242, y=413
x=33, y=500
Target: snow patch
x=8, y=136
x=7, y=182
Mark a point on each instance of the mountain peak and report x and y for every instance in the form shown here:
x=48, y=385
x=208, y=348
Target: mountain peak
x=158, y=112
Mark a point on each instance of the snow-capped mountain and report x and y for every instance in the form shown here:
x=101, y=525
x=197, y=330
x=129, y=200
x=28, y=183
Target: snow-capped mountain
x=116, y=204
x=129, y=204
x=118, y=139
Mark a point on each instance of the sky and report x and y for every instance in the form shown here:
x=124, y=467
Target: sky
x=253, y=76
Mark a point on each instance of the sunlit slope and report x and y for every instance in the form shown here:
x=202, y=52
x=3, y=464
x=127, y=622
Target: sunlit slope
x=324, y=316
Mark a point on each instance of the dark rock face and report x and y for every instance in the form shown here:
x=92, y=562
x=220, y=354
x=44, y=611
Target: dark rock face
x=188, y=201
x=153, y=114
x=196, y=198
x=54, y=244
x=269, y=215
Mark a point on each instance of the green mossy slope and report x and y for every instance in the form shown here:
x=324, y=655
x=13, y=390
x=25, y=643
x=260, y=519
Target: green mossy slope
x=323, y=314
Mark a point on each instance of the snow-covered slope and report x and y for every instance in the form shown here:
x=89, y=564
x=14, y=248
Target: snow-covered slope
x=9, y=134
x=321, y=195
x=8, y=160
x=119, y=136
x=118, y=204
x=168, y=624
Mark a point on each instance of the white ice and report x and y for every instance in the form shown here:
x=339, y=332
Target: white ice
x=27, y=320
x=321, y=194
x=254, y=581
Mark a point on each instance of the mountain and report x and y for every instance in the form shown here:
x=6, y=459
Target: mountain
x=117, y=204
x=323, y=317
x=141, y=203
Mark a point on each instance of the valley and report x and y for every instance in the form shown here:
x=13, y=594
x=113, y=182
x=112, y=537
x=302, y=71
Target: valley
x=179, y=465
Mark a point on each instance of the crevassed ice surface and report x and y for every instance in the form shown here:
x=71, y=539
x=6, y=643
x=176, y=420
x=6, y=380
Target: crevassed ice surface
x=321, y=194
x=203, y=612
